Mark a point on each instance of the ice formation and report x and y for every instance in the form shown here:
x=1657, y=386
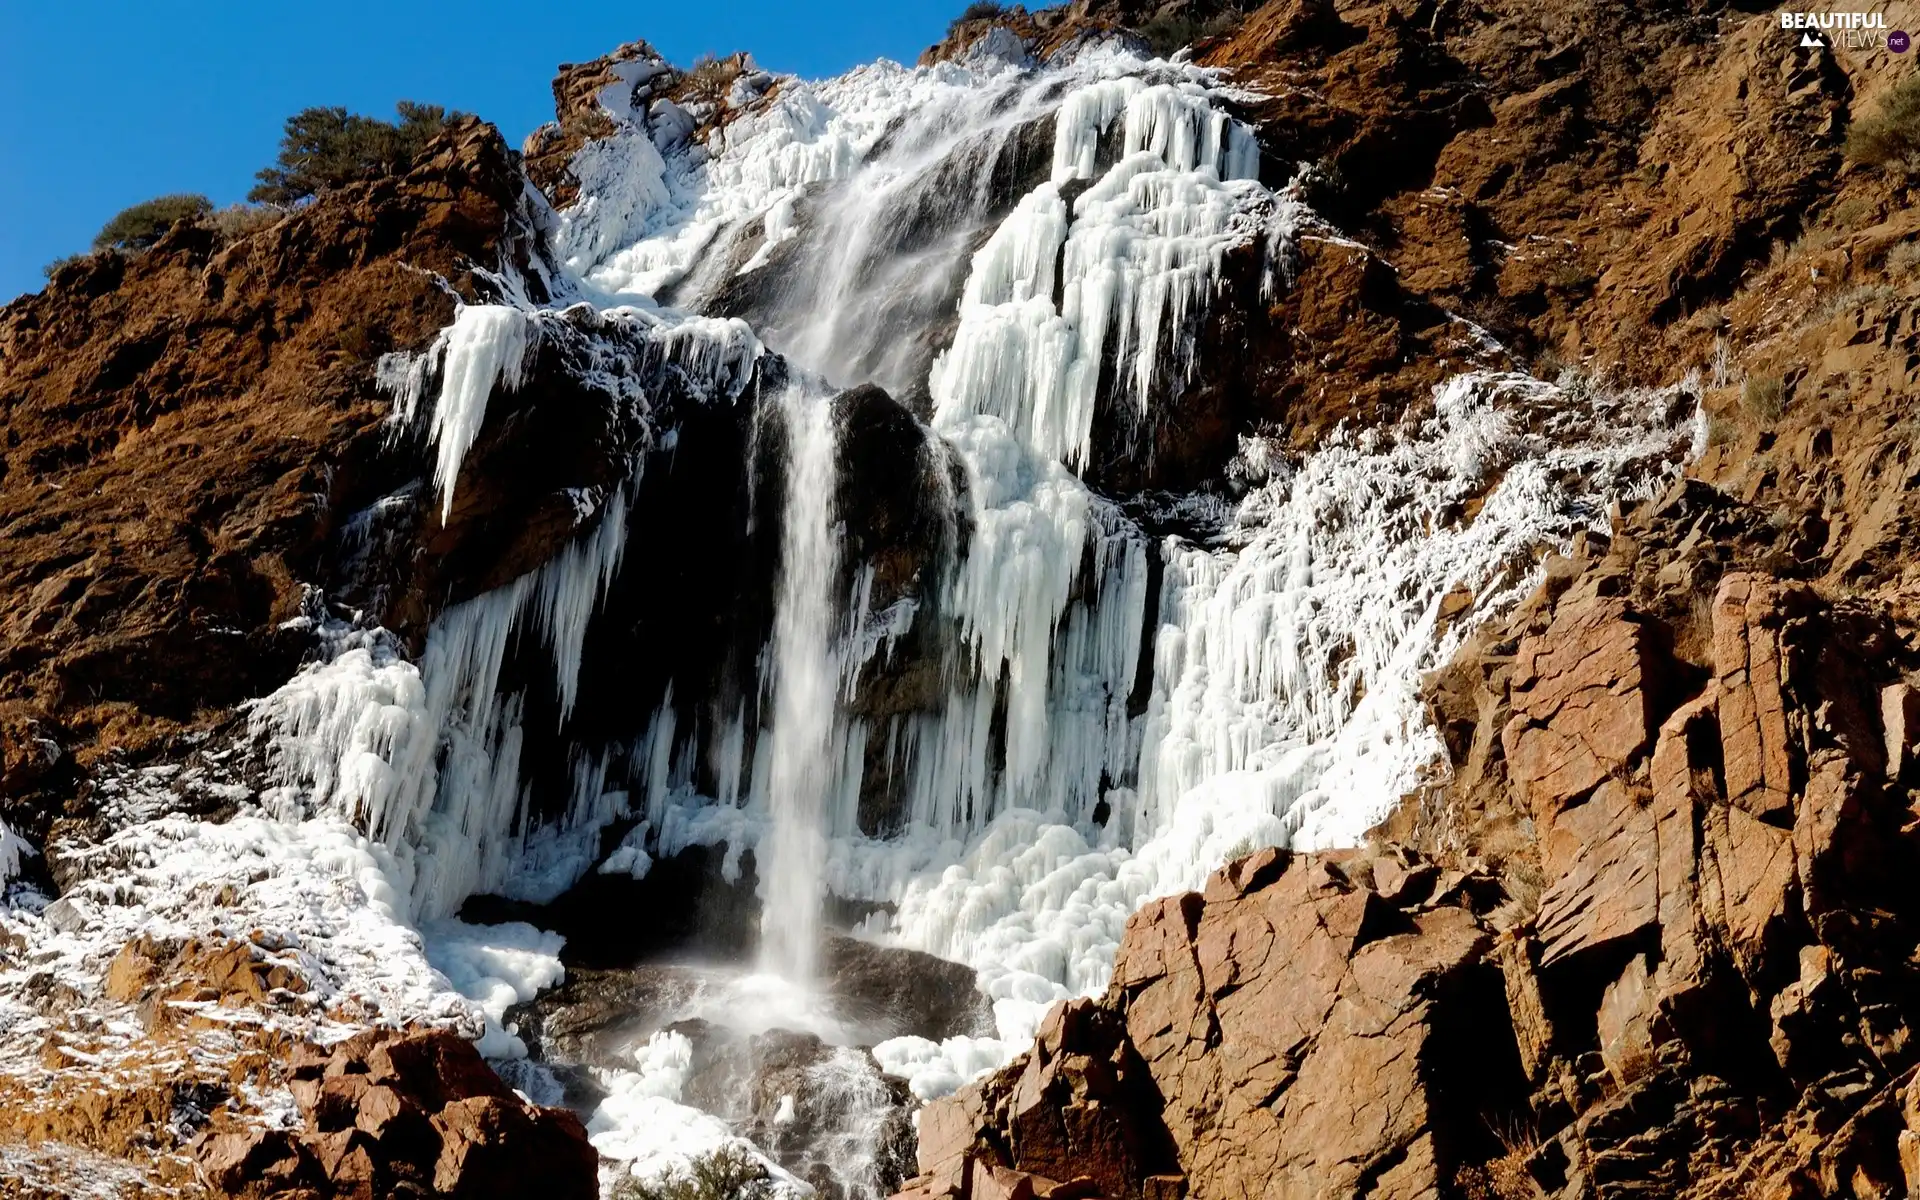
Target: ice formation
x=1285, y=658
x=425, y=757
x=496, y=967
x=1285, y=696
x=14, y=850
x=487, y=345
x=1041, y=809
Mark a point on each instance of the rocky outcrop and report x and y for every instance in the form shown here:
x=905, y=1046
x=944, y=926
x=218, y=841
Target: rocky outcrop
x=418, y=1113
x=1295, y=1029
x=237, y=381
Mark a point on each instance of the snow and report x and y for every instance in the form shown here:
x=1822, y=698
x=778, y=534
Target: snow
x=496, y=967
x=314, y=895
x=14, y=850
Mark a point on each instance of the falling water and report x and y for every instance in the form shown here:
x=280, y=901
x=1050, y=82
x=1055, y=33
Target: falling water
x=806, y=681
x=1007, y=247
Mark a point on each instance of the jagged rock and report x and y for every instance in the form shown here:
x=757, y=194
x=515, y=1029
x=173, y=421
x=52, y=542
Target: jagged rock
x=388, y=1112
x=164, y=978
x=1283, y=1032
x=1581, y=709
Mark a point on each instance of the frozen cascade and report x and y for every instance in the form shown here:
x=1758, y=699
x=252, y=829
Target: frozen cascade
x=1014, y=396
x=424, y=757
x=1133, y=258
x=1285, y=697
x=1286, y=655
x=868, y=190
x=806, y=687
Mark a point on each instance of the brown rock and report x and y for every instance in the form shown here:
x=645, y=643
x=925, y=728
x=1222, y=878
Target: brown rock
x=1580, y=707
x=993, y=1182
x=1747, y=614
x=494, y=1148
x=1624, y=1024
x=1602, y=862
x=249, y=1162
x=1900, y=719
x=949, y=1129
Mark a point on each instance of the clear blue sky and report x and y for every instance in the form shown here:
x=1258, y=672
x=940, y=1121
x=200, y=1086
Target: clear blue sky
x=103, y=105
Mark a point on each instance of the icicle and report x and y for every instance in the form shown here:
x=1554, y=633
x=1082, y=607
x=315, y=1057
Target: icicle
x=487, y=344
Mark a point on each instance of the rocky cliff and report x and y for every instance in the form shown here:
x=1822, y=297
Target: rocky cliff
x=1645, y=930
x=1649, y=932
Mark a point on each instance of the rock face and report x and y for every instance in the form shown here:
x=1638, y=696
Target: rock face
x=236, y=381
x=1295, y=1030
x=387, y=1114
x=1653, y=936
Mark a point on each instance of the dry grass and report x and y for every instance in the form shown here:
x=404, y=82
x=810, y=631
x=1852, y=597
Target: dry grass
x=1889, y=136
x=236, y=221
x=1852, y=299
x=710, y=78
x=1505, y=1177
x=1764, y=397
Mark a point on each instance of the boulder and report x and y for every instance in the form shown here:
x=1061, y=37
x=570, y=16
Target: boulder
x=385, y=1112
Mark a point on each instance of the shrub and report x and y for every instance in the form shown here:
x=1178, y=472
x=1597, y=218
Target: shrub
x=53, y=268
x=1167, y=33
x=327, y=147
x=1851, y=212
x=729, y=1173
x=238, y=220
x=1904, y=258
x=1764, y=397
x=145, y=223
x=1889, y=136
x=1848, y=300
x=982, y=10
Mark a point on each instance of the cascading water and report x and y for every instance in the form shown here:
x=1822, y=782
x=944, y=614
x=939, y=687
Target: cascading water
x=1020, y=249
x=806, y=686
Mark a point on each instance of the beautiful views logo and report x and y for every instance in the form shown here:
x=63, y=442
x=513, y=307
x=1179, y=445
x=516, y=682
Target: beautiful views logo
x=1854, y=30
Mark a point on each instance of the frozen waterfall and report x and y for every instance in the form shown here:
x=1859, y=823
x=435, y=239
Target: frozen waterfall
x=1021, y=251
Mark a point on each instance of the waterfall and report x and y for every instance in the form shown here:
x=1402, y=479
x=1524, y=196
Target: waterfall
x=1019, y=252
x=806, y=689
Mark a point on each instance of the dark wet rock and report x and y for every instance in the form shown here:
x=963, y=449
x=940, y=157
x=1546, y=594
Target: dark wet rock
x=595, y=1017
x=692, y=909
x=899, y=991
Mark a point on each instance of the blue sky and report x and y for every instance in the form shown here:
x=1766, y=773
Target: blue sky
x=103, y=105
